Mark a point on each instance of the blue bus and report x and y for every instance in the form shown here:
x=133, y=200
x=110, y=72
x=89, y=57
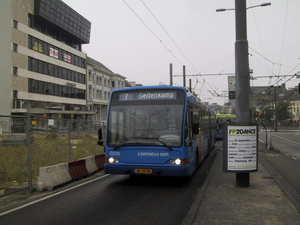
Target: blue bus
x=156, y=131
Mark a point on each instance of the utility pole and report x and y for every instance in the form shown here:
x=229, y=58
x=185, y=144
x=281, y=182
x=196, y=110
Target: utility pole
x=171, y=74
x=242, y=73
x=242, y=76
x=275, y=109
x=242, y=64
x=184, y=85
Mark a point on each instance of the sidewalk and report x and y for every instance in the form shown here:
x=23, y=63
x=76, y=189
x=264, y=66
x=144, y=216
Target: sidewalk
x=219, y=201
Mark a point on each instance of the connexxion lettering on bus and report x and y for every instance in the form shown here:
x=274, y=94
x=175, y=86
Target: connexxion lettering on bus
x=156, y=131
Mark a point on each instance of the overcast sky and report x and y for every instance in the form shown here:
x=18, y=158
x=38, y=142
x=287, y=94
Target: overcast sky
x=140, y=38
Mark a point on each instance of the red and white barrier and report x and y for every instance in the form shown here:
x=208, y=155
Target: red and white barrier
x=53, y=176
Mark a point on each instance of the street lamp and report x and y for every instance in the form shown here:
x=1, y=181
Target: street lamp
x=242, y=74
x=241, y=60
x=261, y=5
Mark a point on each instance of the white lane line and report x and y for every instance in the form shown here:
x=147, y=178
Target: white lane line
x=294, y=158
x=285, y=139
x=50, y=196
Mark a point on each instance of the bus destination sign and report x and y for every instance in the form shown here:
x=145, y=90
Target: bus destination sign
x=156, y=95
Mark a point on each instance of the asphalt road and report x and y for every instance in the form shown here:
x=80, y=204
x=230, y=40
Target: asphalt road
x=115, y=199
x=285, y=155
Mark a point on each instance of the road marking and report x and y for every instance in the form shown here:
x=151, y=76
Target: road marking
x=294, y=158
x=286, y=154
x=285, y=139
x=272, y=154
x=50, y=196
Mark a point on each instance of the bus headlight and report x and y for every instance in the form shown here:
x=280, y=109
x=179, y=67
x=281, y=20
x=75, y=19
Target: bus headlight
x=178, y=161
x=175, y=161
x=112, y=160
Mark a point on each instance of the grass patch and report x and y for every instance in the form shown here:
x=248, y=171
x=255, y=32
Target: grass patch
x=46, y=150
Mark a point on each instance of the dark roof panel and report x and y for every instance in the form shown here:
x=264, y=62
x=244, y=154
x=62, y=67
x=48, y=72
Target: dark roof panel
x=60, y=14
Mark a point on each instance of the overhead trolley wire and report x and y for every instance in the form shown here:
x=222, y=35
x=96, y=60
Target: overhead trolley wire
x=198, y=73
x=168, y=35
x=286, y=12
x=253, y=13
x=151, y=31
x=172, y=40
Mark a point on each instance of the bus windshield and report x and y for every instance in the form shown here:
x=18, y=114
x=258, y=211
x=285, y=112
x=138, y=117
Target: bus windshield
x=150, y=122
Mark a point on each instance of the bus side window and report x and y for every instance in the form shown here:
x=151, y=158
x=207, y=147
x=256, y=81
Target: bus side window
x=189, y=124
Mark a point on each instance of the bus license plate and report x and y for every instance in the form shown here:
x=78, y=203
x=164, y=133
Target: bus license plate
x=144, y=171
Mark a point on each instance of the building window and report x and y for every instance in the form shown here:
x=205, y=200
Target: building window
x=30, y=20
x=90, y=92
x=15, y=24
x=53, y=70
x=15, y=94
x=52, y=51
x=41, y=87
x=15, y=47
x=15, y=70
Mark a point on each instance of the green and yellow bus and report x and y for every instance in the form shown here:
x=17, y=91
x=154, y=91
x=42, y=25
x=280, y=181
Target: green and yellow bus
x=220, y=120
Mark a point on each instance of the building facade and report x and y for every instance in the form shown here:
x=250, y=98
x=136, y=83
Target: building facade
x=293, y=97
x=100, y=82
x=43, y=70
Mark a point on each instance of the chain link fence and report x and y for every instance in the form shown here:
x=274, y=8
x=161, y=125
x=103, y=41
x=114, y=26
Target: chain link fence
x=30, y=142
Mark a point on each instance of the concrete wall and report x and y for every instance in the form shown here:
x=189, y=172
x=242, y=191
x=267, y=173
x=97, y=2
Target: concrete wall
x=5, y=56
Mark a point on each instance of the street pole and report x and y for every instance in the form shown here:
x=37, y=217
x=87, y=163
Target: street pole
x=184, y=85
x=275, y=109
x=171, y=74
x=242, y=76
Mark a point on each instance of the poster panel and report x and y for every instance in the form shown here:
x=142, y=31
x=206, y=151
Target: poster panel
x=240, y=148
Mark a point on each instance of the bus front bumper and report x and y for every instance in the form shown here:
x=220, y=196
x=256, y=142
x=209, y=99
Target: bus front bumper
x=176, y=171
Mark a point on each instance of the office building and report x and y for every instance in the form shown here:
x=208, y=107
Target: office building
x=42, y=68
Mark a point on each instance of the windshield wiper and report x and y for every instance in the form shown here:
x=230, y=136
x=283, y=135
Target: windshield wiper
x=157, y=139
x=127, y=144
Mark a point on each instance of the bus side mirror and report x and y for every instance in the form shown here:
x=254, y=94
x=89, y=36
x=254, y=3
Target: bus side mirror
x=195, y=128
x=100, y=141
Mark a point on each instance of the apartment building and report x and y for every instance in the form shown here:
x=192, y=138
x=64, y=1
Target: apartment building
x=100, y=82
x=42, y=68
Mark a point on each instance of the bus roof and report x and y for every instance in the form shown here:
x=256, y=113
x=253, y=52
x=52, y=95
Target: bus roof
x=148, y=87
